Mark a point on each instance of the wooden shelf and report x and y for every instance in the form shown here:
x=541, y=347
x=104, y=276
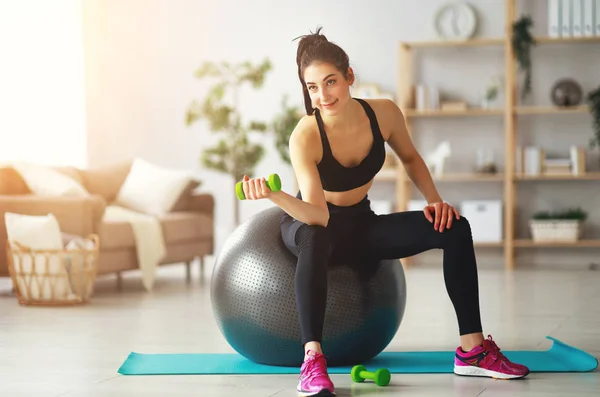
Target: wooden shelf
x=510, y=114
x=470, y=177
x=525, y=243
x=453, y=113
x=567, y=40
x=588, y=176
x=488, y=245
x=492, y=42
x=478, y=42
x=524, y=110
x=391, y=175
x=551, y=110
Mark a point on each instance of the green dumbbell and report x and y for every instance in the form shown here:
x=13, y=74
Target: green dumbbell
x=273, y=183
x=381, y=376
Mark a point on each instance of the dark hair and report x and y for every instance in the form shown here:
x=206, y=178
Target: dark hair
x=315, y=47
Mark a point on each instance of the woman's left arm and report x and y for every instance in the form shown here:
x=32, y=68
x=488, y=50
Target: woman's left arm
x=400, y=142
x=416, y=169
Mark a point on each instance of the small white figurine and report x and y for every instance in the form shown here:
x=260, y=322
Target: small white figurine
x=435, y=160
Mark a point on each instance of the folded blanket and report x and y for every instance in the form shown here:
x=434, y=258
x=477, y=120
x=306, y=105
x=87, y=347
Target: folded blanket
x=148, y=236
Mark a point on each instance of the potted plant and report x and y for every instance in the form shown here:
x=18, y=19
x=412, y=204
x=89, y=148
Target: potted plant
x=235, y=154
x=282, y=126
x=491, y=92
x=522, y=40
x=593, y=100
x=559, y=226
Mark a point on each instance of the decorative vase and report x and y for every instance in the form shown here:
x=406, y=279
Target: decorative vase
x=566, y=92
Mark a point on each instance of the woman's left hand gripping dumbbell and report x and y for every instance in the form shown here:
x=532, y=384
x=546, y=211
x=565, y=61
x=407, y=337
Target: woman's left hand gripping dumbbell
x=257, y=188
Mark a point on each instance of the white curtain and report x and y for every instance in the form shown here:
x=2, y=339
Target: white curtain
x=42, y=99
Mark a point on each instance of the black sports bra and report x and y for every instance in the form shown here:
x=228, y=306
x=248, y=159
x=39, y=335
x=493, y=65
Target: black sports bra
x=337, y=178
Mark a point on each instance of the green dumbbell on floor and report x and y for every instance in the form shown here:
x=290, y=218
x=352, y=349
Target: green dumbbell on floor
x=273, y=183
x=381, y=376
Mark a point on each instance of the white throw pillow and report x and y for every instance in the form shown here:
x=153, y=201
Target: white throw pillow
x=38, y=276
x=152, y=189
x=35, y=232
x=44, y=181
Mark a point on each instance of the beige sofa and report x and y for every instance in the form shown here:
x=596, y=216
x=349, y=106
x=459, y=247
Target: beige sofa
x=188, y=229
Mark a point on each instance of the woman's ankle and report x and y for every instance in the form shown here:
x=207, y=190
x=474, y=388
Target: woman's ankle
x=469, y=341
x=312, y=346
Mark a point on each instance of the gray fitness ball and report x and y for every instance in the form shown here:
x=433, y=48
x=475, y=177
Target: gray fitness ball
x=253, y=299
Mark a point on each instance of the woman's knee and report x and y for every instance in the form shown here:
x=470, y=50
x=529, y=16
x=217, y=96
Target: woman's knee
x=313, y=237
x=460, y=230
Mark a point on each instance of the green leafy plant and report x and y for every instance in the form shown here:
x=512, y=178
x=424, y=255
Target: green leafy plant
x=593, y=100
x=522, y=40
x=234, y=154
x=282, y=126
x=568, y=214
x=491, y=93
x=493, y=88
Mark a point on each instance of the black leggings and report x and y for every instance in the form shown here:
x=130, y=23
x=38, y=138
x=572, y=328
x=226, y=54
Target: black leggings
x=355, y=234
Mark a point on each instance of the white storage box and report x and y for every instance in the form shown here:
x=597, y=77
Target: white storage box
x=417, y=205
x=485, y=218
x=381, y=207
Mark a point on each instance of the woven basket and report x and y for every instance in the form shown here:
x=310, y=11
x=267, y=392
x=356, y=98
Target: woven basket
x=567, y=231
x=53, y=277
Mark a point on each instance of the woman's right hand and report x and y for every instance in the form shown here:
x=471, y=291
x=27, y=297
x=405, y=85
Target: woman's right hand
x=256, y=188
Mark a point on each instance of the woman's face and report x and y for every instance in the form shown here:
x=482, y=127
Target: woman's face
x=329, y=90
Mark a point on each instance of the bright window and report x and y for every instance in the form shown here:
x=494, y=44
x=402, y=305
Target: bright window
x=42, y=100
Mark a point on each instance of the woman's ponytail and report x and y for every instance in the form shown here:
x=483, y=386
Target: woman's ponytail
x=308, y=47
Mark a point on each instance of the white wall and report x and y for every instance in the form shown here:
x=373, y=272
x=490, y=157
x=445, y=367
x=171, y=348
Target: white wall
x=141, y=55
x=42, y=112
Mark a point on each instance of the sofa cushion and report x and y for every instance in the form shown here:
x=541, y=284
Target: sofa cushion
x=11, y=182
x=152, y=189
x=181, y=226
x=38, y=232
x=51, y=182
x=69, y=171
x=183, y=202
x=176, y=226
x=106, y=181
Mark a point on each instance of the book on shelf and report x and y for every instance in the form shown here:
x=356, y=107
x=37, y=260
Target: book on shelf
x=533, y=161
x=577, y=156
x=561, y=166
x=457, y=106
x=554, y=23
x=573, y=18
x=596, y=20
x=566, y=18
x=529, y=160
x=519, y=160
x=426, y=98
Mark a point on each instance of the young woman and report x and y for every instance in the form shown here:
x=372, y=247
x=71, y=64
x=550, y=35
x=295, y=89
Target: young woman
x=336, y=150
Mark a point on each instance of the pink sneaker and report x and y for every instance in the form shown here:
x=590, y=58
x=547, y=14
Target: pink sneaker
x=314, y=380
x=487, y=361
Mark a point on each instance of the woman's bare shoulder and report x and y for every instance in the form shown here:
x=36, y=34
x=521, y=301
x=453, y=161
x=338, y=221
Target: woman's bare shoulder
x=383, y=106
x=388, y=114
x=305, y=142
x=306, y=133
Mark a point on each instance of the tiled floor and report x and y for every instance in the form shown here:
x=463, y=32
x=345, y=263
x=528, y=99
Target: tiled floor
x=76, y=351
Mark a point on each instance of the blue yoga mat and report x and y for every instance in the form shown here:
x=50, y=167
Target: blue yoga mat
x=559, y=358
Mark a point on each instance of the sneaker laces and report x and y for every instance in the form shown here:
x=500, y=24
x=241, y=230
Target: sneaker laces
x=492, y=348
x=316, y=366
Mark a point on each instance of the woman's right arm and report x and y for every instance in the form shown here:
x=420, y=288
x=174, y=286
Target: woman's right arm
x=312, y=209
